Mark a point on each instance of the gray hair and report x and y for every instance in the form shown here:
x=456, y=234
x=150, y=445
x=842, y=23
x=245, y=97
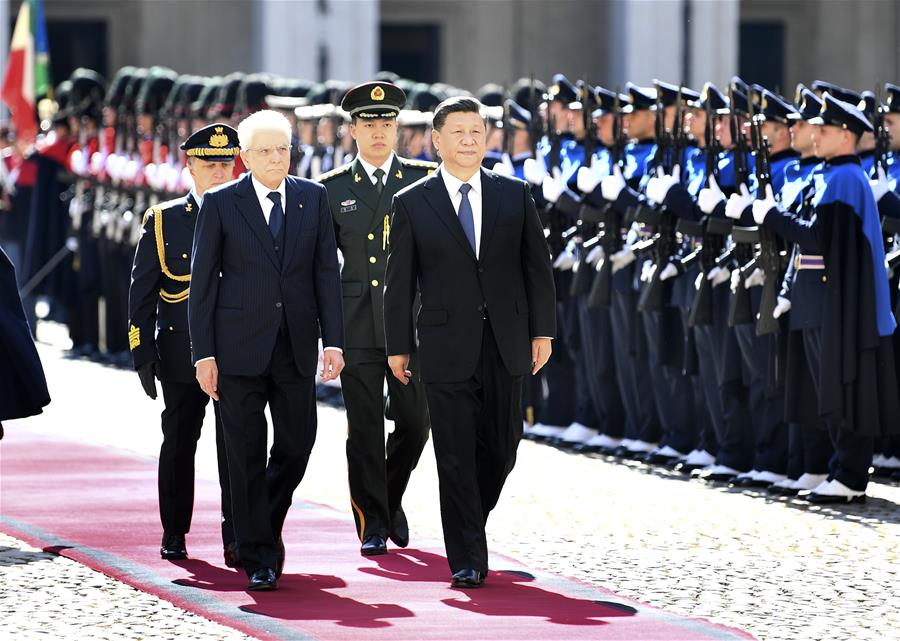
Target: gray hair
x=265, y=120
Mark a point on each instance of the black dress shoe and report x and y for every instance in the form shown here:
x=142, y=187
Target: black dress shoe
x=399, y=533
x=833, y=499
x=279, y=562
x=467, y=579
x=173, y=547
x=373, y=545
x=232, y=558
x=263, y=580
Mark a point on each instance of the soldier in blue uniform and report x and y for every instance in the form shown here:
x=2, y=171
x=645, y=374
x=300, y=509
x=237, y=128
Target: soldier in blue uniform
x=159, y=341
x=841, y=257
x=360, y=194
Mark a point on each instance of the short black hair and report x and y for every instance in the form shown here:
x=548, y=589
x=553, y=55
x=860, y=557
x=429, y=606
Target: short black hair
x=454, y=105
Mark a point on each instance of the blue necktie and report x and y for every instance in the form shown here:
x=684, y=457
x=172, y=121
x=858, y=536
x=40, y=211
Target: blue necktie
x=466, y=218
x=276, y=216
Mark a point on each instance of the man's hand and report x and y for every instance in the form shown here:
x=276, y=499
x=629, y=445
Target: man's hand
x=148, y=373
x=763, y=206
x=662, y=183
x=208, y=377
x=535, y=170
x=718, y=275
x=589, y=177
x=881, y=185
x=782, y=308
x=541, y=348
x=398, y=364
x=709, y=197
x=622, y=259
x=553, y=186
x=332, y=364
x=611, y=186
x=738, y=202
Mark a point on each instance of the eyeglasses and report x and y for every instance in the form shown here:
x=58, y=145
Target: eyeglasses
x=265, y=152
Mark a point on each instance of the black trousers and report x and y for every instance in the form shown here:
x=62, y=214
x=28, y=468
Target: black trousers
x=378, y=478
x=182, y=419
x=477, y=425
x=599, y=367
x=852, y=452
x=557, y=405
x=261, y=493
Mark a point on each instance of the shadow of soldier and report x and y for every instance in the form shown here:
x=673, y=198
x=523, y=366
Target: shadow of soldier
x=506, y=593
x=300, y=597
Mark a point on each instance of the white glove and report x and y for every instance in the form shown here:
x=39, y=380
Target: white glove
x=669, y=271
x=595, y=255
x=566, y=260
x=762, y=207
x=613, y=184
x=553, y=186
x=710, y=197
x=535, y=170
x=756, y=279
x=738, y=202
x=647, y=271
x=783, y=307
x=78, y=161
x=658, y=186
x=622, y=258
x=735, y=280
x=504, y=167
x=880, y=185
x=719, y=275
x=589, y=177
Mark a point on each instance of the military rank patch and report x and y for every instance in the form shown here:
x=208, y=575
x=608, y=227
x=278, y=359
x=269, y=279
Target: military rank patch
x=134, y=337
x=348, y=206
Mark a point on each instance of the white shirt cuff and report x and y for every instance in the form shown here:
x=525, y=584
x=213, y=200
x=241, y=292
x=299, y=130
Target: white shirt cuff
x=208, y=358
x=549, y=338
x=334, y=349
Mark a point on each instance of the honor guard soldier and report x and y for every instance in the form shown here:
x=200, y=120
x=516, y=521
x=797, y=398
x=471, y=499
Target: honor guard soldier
x=159, y=341
x=360, y=194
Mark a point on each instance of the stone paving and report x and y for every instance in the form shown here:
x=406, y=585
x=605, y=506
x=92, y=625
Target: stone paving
x=777, y=568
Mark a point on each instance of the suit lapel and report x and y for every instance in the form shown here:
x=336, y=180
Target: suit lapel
x=362, y=186
x=490, y=207
x=249, y=207
x=293, y=216
x=437, y=197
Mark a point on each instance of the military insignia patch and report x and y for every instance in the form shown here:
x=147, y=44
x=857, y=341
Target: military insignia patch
x=189, y=207
x=134, y=337
x=377, y=93
x=218, y=139
x=399, y=175
x=356, y=178
x=347, y=203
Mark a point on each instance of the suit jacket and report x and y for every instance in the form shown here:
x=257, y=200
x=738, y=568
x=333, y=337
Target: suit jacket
x=242, y=290
x=359, y=213
x=160, y=285
x=513, y=278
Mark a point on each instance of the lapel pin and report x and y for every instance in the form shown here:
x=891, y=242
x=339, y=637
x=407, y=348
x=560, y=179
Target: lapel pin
x=188, y=208
x=399, y=174
x=356, y=178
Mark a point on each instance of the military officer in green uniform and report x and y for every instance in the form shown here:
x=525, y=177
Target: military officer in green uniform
x=360, y=195
x=160, y=346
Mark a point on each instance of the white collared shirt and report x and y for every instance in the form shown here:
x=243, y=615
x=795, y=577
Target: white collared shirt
x=370, y=168
x=262, y=194
x=197, y=199
x=452, y=183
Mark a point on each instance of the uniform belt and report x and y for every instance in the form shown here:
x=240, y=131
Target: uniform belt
x=809, y=261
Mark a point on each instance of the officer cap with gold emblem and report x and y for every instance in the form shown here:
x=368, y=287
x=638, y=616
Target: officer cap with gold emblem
x=838, y=113
x=374, y=100
x=216, y=142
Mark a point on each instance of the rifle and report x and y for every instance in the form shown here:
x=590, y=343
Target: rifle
x=590, y=133
x=536, y=126
x=665, y=243
x=882, y=136
x=555, y=142
x=588, y=217
x=770, y=256
x=507, y=128
x=610, y=237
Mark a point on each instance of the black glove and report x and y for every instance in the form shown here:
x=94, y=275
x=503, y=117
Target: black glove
x=148, y=373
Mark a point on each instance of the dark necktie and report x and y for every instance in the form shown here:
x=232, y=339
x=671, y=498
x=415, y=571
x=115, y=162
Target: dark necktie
x=379, y=185
x=276, y=216
x=466, y=218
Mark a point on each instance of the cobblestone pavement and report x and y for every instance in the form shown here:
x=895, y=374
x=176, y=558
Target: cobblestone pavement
x=774, y=567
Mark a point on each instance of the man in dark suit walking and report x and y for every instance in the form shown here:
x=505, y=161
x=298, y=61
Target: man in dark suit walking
x=265, y=282
x=360, y=193
x=473, y=243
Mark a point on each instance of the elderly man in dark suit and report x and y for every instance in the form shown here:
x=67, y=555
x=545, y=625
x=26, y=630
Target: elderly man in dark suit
x=472, y=242
x=265, y=283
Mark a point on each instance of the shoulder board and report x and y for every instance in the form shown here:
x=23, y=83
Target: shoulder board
x=421, y=164
x=334, y=173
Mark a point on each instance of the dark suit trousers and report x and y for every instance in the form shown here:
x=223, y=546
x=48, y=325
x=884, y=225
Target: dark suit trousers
x=477, y=425
x=261, y=494
x=377, y=481
x=182, y=419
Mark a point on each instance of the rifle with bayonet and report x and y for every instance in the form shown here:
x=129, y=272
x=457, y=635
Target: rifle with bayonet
x=740, y=310
x=588, y=217
x=610, y=237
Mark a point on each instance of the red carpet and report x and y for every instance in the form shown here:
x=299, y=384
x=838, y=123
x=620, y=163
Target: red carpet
x=98, y=506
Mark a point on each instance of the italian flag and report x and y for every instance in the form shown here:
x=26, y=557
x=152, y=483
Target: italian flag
x=28, y=68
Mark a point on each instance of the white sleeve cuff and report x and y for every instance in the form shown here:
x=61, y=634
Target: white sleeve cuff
x=334, y=349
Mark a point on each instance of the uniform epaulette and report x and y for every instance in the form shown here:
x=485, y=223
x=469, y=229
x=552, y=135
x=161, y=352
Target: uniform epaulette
x=334, y=173
x=421, y=164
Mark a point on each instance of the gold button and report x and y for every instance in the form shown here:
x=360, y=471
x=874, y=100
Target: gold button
x=372, y=259
x=374, y=283
x=171, y=329
x=824, y=279
x=184, y=255
x=371, y=236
